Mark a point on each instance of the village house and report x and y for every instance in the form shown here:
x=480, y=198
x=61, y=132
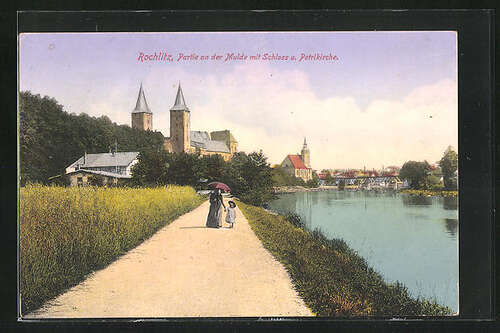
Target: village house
x=299, y=165
x=110, y=167
x=391, y=171
x=182, y=138
x=322, y=177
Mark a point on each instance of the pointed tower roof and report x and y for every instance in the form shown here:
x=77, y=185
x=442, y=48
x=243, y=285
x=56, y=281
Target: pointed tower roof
x=179, y=104
x=141, y=105
x=305, y=144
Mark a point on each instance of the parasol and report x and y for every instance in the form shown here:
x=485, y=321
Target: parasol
x=220, y=185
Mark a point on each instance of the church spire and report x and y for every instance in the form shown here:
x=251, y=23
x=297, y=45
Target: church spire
x=179, y=104
x=305, y=154
x=141, y=105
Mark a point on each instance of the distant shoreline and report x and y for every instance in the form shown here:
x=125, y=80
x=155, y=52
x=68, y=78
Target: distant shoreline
x=430, y=193
x=294, y=189
x=427, y=193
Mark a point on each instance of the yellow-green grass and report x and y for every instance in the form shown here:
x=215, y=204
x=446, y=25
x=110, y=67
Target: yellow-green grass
x=331, y=278
x=66, y=233
x=431, y=193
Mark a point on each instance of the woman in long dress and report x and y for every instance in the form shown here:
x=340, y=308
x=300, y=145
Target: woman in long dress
x=214, y=218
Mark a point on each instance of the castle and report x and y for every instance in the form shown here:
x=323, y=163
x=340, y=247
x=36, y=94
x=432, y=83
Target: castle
x=182, y=138
x=299, y=165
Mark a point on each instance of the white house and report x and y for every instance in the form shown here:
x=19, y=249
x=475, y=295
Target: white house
x=110, y=166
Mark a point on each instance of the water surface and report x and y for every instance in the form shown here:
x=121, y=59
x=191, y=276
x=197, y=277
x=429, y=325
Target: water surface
x=410, y=239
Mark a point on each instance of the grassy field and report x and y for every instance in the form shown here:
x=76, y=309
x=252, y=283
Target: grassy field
x=66, y=233
x=331, y=278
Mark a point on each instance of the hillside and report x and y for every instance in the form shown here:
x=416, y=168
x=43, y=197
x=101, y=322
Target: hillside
x=50, y=138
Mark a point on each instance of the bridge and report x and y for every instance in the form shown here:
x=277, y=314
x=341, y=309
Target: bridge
x=367, y=182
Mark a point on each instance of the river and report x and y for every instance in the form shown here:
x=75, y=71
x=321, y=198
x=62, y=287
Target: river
x=405, y=238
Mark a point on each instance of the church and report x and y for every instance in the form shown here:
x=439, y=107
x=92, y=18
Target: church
x=299, y=165
x=182, y=138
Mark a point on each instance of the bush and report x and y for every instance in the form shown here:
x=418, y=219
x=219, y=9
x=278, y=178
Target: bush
x=281, y=177
x=257, y=197
x=430, y=193
x=431, y=182
x=313, y=182
x=96, y=180
x=294, y=219
x=62, y=180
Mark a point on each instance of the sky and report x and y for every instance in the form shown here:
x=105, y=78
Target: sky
x=384, y=99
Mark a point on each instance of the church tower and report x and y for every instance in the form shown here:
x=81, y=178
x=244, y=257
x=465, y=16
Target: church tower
x=142, y=117
x=306, y=155
x=180, y=128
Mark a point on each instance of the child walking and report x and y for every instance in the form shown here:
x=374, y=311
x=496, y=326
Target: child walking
x=231, y=213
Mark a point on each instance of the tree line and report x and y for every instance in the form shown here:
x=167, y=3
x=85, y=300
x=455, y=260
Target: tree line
x=421, y=176
x=50, y=139
x=281, y=177
x=248, y=175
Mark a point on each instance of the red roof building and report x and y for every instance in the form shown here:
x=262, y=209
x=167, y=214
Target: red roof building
x=297, y=162
x=322, y=176
x=298, y=165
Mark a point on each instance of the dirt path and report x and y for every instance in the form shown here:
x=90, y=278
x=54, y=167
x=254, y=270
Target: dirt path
x=186, y=270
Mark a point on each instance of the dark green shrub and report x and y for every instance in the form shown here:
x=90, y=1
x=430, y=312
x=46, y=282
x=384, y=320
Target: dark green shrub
x=96, y=180
x=294, y=219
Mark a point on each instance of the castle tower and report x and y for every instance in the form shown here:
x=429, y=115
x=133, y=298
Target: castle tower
x=305, y=154
x=228, y=139
x=142, y=117
x=180, y=128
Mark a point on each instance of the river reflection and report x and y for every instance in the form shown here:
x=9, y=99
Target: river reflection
x=450, y=203
x=416, y=200
x=451, y=226
x=412, y=239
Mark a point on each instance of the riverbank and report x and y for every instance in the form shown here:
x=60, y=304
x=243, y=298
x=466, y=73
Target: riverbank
x=294, y=189
x=333, y=279
x=430, y=193
x=426, y=193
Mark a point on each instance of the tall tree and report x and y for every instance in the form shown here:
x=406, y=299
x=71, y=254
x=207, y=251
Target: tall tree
x=329, y=179
x=449, y=165
x=281, y=177
x=152, y=168
x=250, y=178
x=213, y=167
x=185, y=169
x=314, y=182
x=415, y=172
